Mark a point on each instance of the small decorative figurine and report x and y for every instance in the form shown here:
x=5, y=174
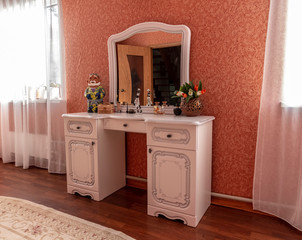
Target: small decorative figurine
x=94, y=93
x=160, y=109
x=137, y=103
x=149, y=101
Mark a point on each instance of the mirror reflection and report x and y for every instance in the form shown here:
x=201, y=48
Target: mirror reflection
x=149, y=61
x=148, y=55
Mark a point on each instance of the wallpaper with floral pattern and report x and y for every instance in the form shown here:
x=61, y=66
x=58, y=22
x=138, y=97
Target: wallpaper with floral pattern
x=227, y=54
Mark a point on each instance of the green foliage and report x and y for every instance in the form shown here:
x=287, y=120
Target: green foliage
x=199, y=86
x=186, y=88
x=188, y=98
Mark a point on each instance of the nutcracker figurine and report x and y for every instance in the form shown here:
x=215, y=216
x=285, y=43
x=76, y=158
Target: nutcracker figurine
x=94, y=93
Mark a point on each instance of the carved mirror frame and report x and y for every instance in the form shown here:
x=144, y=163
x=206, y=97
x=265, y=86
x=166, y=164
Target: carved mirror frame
x=148, y=27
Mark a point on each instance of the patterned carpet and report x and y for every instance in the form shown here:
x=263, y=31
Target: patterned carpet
x=22, y=219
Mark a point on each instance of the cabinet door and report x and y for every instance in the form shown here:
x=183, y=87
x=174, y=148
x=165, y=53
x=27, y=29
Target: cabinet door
x=171, y=179
x=82, y=162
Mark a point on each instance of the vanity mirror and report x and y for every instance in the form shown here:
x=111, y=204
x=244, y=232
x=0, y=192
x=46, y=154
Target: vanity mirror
x=142, y=43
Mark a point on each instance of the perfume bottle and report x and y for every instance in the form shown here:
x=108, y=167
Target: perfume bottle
x=164, y=105
x=156, y=107
x=118, y=107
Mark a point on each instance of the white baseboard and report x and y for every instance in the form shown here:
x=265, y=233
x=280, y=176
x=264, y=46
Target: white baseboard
x=220, y=195
x=242, y=199
x=136, y=178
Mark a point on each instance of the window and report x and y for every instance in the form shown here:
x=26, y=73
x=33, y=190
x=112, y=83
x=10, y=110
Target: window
x=292, y=79
x=53, y=48
x=30, y=56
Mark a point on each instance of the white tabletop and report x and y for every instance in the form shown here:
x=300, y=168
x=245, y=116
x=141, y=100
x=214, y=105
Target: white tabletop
x=151, y=118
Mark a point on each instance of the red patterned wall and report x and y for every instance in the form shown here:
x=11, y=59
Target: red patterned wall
x=227, y=53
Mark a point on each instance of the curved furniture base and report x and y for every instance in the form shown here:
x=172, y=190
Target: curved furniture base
x=189, y=220
x=84, y=192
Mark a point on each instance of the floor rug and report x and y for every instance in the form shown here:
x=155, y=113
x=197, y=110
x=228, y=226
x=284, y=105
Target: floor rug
x=22, y=219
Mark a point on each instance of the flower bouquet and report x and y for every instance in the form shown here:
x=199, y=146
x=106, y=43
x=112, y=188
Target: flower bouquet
x=190, y=93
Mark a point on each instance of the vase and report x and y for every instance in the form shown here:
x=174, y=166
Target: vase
x=192, y=108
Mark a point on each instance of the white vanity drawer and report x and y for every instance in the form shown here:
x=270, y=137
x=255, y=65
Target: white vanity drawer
x=80, y=127
x=125, y=125
x=173, y=136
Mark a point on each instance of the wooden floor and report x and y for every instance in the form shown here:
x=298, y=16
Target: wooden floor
x=126, y=211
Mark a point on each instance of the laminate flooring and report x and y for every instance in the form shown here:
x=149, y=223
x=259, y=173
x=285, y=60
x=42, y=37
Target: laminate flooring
x=126, y=211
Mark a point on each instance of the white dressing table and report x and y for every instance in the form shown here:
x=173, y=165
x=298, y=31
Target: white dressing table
x=179, y=159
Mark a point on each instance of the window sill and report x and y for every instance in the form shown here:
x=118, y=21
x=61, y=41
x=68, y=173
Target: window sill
x=284, y=105
x=39, y=101
x=45, y=100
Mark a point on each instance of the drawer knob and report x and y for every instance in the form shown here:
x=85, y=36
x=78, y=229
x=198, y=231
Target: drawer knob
x=125, y=125
x=78, y=127
x=150, y=150
x=92, y=143
x=169, y=135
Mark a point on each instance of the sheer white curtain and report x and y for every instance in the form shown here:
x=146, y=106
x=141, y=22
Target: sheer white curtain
x=31, y=85
x=278, y=166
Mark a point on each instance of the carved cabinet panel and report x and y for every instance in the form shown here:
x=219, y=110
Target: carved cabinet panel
x=82, y=162
x=171, y=179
